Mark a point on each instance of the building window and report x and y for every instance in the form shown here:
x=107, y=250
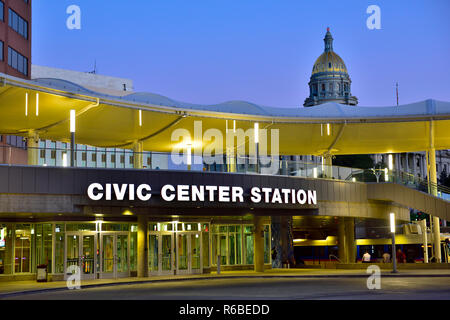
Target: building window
x=94, y=157
x=2, y=11
x=1, y=51
x=17, y=61
x=323, y=86
x=18, y=24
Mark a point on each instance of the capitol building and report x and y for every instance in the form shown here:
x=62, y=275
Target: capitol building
x=330, y=82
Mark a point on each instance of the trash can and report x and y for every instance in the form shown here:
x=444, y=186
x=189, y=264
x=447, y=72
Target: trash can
x=41, y=275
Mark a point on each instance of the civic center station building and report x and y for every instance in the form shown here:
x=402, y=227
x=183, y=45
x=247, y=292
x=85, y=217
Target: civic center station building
x=101, y=188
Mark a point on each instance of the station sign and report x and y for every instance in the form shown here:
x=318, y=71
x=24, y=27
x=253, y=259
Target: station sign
x=201, y=193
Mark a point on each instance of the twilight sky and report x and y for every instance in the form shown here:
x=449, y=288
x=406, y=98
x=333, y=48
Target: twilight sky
x=260, y=51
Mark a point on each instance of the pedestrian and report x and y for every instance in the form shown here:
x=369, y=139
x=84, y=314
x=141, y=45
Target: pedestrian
x=401, y=257
x=366, y=257
x=386, y=257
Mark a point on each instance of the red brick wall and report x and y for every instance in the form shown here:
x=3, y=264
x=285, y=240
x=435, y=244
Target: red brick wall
x=13, y=39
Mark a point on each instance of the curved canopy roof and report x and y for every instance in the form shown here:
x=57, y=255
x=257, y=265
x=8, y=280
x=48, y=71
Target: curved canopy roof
x=110, y=121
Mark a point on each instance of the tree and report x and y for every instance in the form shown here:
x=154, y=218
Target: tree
x=361, y=161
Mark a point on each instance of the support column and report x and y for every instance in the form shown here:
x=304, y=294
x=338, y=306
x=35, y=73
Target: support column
x=33, y=148
x=138, y=149
x=433, y=188
x=258, y=244
x=231, y=161
x=350, y=239
x=342, y=252
x=328, y=162
x=276, y=241
x=142, y=248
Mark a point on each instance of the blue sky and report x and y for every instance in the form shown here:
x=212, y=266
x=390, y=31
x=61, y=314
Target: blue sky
x=259, y=51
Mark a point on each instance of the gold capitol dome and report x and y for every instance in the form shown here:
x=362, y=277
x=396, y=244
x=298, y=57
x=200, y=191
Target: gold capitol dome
x=329, y=62
x=330, y=81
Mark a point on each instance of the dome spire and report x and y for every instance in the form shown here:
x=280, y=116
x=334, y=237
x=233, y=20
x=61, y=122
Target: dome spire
x=328, y=41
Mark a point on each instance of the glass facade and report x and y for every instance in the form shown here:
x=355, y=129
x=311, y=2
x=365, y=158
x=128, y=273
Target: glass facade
x=23, y=247
x=234, y=244
x=99, y=247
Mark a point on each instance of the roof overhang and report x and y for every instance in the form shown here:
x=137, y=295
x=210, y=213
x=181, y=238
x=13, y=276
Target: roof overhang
x=109, y=121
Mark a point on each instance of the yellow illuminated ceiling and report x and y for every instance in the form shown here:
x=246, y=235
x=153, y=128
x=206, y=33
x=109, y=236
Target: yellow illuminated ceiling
x=114, y=122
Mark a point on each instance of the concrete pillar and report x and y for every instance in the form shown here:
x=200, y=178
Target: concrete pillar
x=342, y=252
x=259, y=244
x=407, y=162
x=142, y=247
x=328, y=163
x=350, y=239
x=433, y=188
x=138, y=148
x=33, y=148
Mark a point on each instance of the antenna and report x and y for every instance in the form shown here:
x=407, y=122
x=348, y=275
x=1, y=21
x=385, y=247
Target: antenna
x=95, y=68
x=396, y=89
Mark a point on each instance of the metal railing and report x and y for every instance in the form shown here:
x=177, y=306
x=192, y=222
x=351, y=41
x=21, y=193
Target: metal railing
x=91, y=157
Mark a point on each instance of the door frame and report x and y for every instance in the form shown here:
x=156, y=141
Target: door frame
x=115, y=273
x=80, y=235
x=160, y=235
x=189, y=269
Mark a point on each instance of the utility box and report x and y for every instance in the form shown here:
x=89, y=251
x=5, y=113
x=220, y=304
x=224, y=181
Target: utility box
x=41, y=273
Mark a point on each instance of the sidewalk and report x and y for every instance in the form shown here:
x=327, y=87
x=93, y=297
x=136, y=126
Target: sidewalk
x=23, y=287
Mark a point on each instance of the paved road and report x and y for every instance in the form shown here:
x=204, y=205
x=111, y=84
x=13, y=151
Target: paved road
x=254, y=289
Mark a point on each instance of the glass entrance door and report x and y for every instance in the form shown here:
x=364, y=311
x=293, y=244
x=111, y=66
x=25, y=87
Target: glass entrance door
x=115, y=257
x=161, y=253
x=80, y=254
x=189, y=253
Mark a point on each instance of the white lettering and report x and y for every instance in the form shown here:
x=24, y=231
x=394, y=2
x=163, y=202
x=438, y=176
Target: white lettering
x=255, y=195
x=237, y=193
x=198, y=193
x=120, y=193
x=224, y=194
x=91, y=188
x=183, y=193
x=211, y=190
x=312, y=197
x=301, y=196
x=139, y=192
x=266, y=192
x=164, y=195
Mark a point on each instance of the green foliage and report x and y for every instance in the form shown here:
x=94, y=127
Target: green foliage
x=361, y=161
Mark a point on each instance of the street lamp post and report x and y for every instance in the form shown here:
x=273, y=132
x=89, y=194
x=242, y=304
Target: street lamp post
x=72, y=137
x=394, y=257
x=256, y=134
x=189, y=157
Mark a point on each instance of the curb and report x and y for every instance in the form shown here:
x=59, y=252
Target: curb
x=112, y=284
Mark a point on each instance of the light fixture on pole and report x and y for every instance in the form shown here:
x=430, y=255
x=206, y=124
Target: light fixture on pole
x=256, y=134
x=391, y=162
x=72, y=137
x=37, y=104
x=394, y=257
x=189, y=156
x=26, y=104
